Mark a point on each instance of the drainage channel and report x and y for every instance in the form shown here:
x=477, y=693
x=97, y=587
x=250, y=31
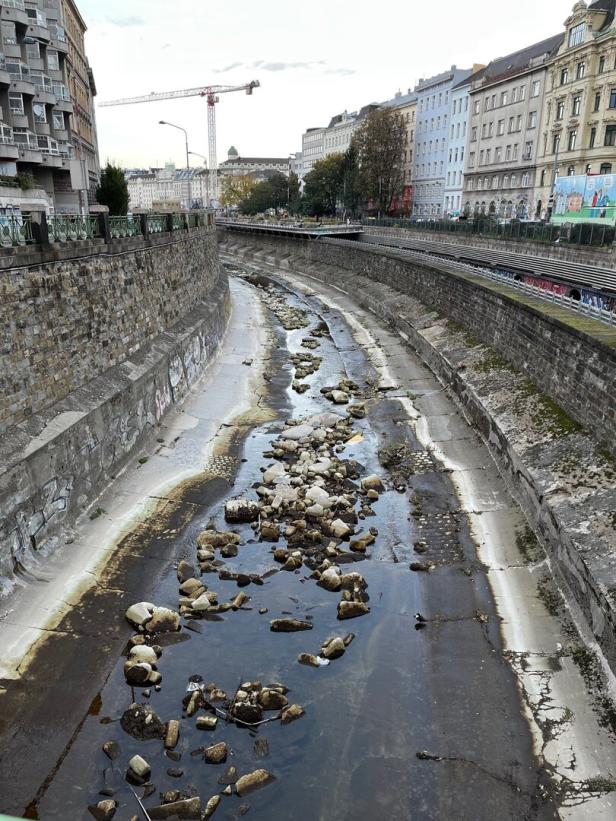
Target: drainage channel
x=412, y=711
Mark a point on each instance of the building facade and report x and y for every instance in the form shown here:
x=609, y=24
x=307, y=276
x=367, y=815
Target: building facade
x=260, y=168
x=579, y=115
x=164, y=189
x=506, y=109
x=432, y=139
x=313, y=148
x=82, y=89
x=37, y=122
x=458, y=129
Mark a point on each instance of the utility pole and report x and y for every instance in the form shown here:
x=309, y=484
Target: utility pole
x=179, y=128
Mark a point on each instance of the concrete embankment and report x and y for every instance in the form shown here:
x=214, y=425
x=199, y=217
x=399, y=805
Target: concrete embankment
x=98, y=348
x=513, y=363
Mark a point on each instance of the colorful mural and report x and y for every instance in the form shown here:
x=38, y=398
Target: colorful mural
x=585, y=199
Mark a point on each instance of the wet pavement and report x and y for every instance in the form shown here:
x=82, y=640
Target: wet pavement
x=453, y=720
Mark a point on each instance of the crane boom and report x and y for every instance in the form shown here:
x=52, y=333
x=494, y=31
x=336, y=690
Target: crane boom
x=211, y=93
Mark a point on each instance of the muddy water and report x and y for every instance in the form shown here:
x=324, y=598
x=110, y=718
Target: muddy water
x=398, y=691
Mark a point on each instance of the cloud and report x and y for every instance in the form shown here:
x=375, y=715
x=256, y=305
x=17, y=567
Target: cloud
x=341, y=72
x=230, y=67
x=281, y=65
x=125, y=22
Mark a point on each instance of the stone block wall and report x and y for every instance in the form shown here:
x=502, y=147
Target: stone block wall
x=65, y=322
x=570, y=358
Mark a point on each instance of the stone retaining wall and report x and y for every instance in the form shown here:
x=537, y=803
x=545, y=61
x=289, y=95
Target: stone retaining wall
x=65, y=322
x=571, y=358
x=116, y=340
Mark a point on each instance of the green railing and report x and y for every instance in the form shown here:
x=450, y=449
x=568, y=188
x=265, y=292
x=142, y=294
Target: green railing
x=178, y=222
x=15, y=231
x=506, y=229
x=121, y=227
x=157, y=223
x=71, y=227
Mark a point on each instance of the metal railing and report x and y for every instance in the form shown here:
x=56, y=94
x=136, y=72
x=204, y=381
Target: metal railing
x=71, y=227
x=15, y=231
x=157, y=223
x=178, y=222
x=14, y=4
x=583, y=233
x=61, y=92
x=121, y=227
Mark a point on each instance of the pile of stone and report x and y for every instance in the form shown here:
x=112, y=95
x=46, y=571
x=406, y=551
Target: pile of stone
x=290, y=317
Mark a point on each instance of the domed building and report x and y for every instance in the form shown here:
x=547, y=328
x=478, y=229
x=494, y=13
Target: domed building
x=260, y=168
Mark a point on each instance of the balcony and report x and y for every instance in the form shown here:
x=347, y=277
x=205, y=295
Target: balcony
x=14, y=11
x=37, y=25
x=8, y=149
x=58, y=38
x=63, y=98
x=44, y=87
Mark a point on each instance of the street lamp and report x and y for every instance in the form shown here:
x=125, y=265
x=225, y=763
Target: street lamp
x=179, y=128
x=207, y=176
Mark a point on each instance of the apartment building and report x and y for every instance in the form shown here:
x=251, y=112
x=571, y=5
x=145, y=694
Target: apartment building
x=579, y=106
x=313, y=148
x=167, y=188
x=257, y=167
x=406, y=106
x=37, y=110
x=432, y=139
x=82, y=90
x=339, y=133
x=506, y=104
x=458, y=130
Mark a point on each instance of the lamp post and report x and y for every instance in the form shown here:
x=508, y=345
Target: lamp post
x=179, y=128
x=207, y=176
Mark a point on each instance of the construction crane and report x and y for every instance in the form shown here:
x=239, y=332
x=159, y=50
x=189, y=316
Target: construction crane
x=212, y=95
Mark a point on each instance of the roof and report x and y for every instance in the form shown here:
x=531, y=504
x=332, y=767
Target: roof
x=518, y=61
x=604, y=5
x=400, y=100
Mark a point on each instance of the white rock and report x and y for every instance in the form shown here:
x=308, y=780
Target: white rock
x=274, y=472
x=143, y=653
x=340, y=529
x=204, y=602
x=325, y=420
x=315, y=511
x=139, y=766
x=163, y=621
x=297, y=432
x=140, y=613
x=340, y=397
x=318, y=496
x=330, y=579
x=372, y=482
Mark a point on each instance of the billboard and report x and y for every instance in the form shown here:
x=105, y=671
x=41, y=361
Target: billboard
x=585, y=199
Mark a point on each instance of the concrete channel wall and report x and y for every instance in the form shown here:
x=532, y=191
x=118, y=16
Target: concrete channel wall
x=566, y=484
x=96, y=349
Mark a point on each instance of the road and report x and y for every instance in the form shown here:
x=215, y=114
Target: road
x=480, y=714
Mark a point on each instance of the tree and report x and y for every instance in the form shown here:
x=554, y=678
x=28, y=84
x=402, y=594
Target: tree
x=236, y=188
x=380, y=144
x=113, y=191
x=294, y=195
x=351, y=194
x=270, y=193
x=324, y=185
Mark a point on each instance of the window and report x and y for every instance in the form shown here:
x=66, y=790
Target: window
x=597, y=105
x=474, y=134
x=542, y=183
x=601, y=65
x=532, y=119
x=498, y=154
x=16, y=103
x=576, y=34
x=484, y=131
x=514, y=95
x=506, y=181
x=33, y=51
x=580, y=71
x=511, y=124
x=613, y=98
x=610, y=135
x=593, y=137
x=560, y=110
x=508, y=153
x=519, y=123
x=522, y=92
x=500, y=128
x=536, y=90
x=40, y=115
x=528, y=151
x=515, y=151
x=555, y=143
x=564, y=76
x=606, y=168
x=488, y=156
x=571, y=171
x=572, y=139
x=471, y=159
x=495, y=182
x=514, y=180
x=481, y=156
x=525, y=180
x=58, y=120
x=53, y=61
x=504, y=98
x=477, y=106
x=577, y=105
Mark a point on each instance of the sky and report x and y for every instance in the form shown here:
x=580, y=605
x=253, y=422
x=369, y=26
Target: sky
x=313, y=60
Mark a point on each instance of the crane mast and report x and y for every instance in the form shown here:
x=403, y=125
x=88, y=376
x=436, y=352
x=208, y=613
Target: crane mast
x=211, y=94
